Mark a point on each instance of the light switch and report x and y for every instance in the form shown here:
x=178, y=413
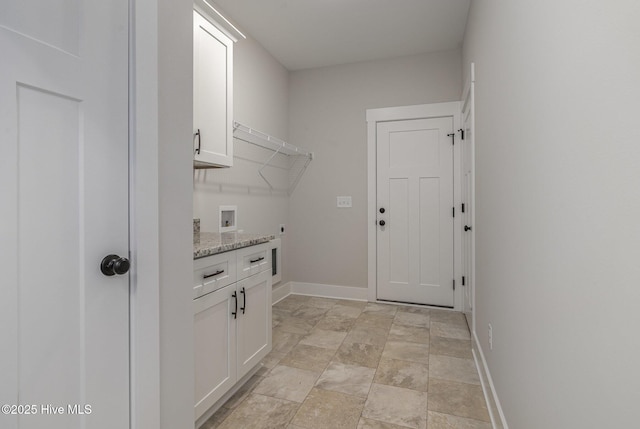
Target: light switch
x=344, y=202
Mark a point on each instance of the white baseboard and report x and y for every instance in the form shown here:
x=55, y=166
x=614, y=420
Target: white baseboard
x=281, y=292
x=320, y=290
x=329, y=291
x=498, y=420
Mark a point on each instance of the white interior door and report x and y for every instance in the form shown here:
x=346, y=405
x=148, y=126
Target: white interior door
x=415, y=231
x=63, y=207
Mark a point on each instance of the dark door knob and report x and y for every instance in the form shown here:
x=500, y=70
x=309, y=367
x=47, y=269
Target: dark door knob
x=381, y=209
x=114, y=264
x=382, y=223
x=467, y=228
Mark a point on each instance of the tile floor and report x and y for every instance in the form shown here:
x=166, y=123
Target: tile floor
x=348, y=364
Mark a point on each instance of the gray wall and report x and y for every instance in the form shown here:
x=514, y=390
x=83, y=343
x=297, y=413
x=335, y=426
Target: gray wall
x=558, y=208
x=261, y=102
x=327, y=108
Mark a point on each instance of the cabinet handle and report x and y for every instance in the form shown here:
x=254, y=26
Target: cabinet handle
x=197, y=134
x=213, y=275
x=256, y=260
x=244, y=300
x=234, y=295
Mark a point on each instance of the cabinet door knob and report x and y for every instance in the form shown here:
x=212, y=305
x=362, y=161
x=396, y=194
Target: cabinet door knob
x=382, y=210
x=467, y=228
x=382, y=223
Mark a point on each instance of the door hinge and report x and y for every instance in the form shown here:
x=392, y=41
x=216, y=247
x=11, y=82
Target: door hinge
x=462, y=207
x=453, y=211
x=461, y=134
x=454, y=284
x=462, y=280
x=453, y=138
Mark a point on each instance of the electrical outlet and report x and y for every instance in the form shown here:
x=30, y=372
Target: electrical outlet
x=344, y=202
x=281, y=229
x=490, y=337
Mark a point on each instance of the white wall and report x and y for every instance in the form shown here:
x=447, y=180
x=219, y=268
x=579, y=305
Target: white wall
x=558, y=208
x=175, y=163
x=261, y=102
x=327, y=115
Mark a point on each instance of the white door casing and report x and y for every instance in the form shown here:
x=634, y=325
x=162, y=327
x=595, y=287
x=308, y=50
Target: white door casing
x=408, y=257
x=467, y=147
x=415, y=190
x=64, y=206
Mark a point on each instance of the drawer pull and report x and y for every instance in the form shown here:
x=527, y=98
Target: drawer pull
x=257, y=260
x=244, y=300
x=213, y=275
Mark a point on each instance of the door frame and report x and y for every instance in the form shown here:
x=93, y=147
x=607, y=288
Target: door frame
x=468, y=101
x=420, y=111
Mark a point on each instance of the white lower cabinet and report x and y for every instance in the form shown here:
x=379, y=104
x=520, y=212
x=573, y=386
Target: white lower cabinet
x=232, y=333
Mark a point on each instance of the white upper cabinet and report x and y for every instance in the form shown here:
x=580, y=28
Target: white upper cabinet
x=212, y=95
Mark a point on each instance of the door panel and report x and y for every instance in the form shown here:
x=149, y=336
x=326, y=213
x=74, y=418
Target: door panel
x=254, y=327
x=415, y=186
x=64, y=206
x=215, y=347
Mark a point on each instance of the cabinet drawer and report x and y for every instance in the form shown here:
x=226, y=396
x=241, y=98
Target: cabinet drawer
x=253, y=260
x=213, y=272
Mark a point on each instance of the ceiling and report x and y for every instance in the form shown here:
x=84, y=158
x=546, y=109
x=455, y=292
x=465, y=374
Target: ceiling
x=303, y=34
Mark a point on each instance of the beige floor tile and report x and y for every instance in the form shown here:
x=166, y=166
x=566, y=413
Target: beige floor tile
x=381, y=309
x=411, y=334
x=352, y=303
x=459, y=399
x=412, y=319
x=415, y=309
x=401, y=373
x=450, y=347
x=402, y=350
x=349, y=379
x=396, y=405
x=243, y=392
x=309, y=313
x=375, y=424
x=324, y=409
x=261, y=412
x=453, y=368
x=359, y=354
x=377, y=320
x=447, y=421
x=345, y=311
x=288, y=383
x=295, y=427
x=295, y=325
x=308, y=357
x=336, y=323
x=368, y=335
x=288, y=305
x=326, y=303
x=269, y=362
x=216, y=420
x=440, y=329
x=322, y=338
x=283, y=342
x=450, y=317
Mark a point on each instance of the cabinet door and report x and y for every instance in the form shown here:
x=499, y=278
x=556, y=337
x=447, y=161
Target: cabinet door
x=215, y=347
x=254, y=320
x=212, y=94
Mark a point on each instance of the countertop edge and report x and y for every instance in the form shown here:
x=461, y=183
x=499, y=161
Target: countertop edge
x=238, y=243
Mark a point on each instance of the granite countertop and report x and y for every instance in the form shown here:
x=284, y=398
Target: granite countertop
x=212, y=243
